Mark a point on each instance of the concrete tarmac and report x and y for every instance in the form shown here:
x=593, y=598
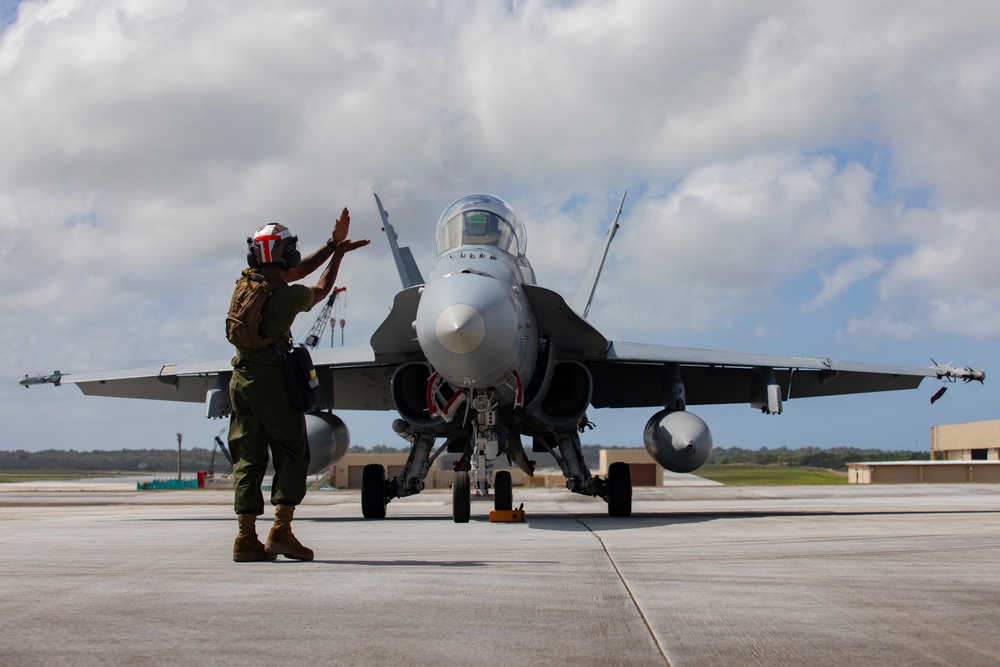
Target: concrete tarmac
x=699, y=575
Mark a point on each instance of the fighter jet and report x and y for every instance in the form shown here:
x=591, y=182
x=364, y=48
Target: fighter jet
x=484, y=360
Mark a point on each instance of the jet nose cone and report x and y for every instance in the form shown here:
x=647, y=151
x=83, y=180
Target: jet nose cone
x=460, y=328
x=468, y=326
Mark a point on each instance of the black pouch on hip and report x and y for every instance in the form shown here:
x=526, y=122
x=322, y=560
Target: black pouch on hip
x=300, y=375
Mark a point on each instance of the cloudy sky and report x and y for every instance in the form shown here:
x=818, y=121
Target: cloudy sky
x=813, y=179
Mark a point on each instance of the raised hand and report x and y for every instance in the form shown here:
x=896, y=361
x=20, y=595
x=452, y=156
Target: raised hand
x=348, y=245
x=341, y=228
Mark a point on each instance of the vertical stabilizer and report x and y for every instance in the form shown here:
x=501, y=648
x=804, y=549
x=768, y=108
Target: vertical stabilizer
x=584, y=293
x=405, y=264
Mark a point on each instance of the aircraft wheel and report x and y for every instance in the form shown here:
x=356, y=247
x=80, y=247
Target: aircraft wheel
x=619, y=489
x=503, y=491
x=461, y=503
x=373, y=491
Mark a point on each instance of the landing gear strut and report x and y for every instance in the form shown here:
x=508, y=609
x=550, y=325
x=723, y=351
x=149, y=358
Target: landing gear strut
x=564, y=446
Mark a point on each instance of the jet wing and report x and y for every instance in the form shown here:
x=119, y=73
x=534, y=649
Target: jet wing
x=170, y=382
x=350, y=378
x=636, y=375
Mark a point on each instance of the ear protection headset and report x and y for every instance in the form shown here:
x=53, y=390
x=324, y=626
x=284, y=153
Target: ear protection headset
x=273, y=243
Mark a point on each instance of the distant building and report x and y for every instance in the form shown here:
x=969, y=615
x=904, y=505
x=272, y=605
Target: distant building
x=347, y=472
x=960, y=453
x=975, y=441
x=924, y=472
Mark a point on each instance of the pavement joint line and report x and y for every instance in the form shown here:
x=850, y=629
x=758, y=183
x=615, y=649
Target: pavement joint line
x=635, y=603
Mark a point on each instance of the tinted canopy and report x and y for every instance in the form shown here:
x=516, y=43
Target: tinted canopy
x=481, y=220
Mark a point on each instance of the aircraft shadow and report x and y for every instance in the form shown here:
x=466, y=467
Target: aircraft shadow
x=399, y=563
x=594, y=521
x=600, y=521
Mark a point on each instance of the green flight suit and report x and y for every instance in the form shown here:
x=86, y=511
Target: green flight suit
x=262, y=416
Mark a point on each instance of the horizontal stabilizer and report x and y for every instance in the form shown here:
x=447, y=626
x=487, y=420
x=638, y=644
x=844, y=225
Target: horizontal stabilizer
x=409, y=274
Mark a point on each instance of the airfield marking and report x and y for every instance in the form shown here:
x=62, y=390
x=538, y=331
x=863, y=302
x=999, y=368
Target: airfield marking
x=635, y=603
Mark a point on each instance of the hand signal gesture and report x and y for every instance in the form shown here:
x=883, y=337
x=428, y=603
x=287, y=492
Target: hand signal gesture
x=341, y=228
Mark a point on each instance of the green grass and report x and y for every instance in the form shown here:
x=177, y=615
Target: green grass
x=50, y=475
x=755, y=475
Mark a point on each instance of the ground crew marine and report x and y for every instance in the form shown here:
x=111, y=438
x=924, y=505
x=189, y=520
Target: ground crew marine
x=264, y=425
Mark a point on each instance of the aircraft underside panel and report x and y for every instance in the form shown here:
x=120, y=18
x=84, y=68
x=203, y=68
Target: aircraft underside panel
x=188, y=388
x=629, y=385
x=357, y=388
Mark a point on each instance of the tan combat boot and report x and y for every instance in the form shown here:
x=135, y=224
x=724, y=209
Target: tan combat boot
x=281, y=541
x=247, y=547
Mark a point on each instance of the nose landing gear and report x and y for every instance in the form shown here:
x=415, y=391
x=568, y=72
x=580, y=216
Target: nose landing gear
x=461, y=503
x=488, y=443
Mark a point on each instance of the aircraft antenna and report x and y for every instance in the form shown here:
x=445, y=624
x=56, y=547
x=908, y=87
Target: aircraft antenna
x=584, y=294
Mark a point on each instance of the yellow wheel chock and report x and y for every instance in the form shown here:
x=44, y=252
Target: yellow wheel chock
x=507, y=516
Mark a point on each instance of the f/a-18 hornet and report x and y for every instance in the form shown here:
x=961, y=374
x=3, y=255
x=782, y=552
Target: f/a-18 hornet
x=479, y=356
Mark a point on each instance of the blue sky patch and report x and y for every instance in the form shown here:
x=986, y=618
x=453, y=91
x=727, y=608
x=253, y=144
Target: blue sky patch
x=8, y=12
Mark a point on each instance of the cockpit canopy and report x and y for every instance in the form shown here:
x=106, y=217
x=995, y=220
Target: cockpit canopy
x=481, y=220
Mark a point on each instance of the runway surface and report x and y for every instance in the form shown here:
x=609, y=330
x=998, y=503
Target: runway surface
x=699, y=575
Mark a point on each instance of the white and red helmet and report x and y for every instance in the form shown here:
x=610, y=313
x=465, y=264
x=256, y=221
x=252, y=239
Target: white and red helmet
x=273, y=244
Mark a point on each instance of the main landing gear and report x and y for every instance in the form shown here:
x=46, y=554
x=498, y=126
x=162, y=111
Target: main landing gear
x=373, y=491
x=619, y=489
x=564, y=446
x=479, y=477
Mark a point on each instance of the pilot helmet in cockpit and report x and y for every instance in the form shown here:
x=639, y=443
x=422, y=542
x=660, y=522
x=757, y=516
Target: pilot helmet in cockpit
x=480, y=223
x=481, y=220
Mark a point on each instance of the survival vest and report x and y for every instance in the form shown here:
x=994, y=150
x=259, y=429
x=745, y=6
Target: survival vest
x=243, y=324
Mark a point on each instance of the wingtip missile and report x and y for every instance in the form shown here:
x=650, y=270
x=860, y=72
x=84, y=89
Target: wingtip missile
x=29, y=380
x=949, y=372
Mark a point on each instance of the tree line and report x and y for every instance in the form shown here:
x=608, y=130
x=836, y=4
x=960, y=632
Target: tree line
x=194, y=459
x=835, y=458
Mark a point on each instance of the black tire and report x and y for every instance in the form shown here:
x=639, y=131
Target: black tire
x=619, y=489
x=373, y=491
x=461, y=503
x=503, y=491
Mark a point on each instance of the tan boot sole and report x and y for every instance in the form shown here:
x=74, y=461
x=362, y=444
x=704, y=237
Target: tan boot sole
x=276, y=550
x=253, y=558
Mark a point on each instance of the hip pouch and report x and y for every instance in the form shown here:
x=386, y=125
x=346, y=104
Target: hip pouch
x=304, y=392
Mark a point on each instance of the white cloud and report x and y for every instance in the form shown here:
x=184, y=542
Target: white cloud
x=843, y=277
x=773, y=153
x=721, y=243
